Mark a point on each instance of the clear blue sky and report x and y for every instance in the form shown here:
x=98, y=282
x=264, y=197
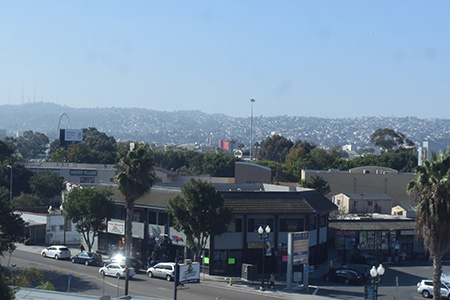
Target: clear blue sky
x=304, y=58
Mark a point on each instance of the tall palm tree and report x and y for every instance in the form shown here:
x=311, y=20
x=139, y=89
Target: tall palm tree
x=135, y=178
x=432, y=188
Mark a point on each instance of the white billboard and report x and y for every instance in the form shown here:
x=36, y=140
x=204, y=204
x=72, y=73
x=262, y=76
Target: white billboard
x=73, y=135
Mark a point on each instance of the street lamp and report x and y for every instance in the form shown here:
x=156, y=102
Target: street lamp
x=251, y=130
x=10, y=182
x=264, y=238
x=376, y=274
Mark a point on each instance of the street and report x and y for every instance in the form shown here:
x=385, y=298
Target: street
x=87, y=280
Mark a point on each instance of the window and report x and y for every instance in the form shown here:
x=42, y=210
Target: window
x=152, y=217
x=292, y=225
x=253, y=224
x=61, y=227
x=87, y=180
x=312, y=222
x=162, y=218
x=323, y=221
x=355, y=203
x=235, y=225
x=338, y=202
x=370, y=203
x=68, y=225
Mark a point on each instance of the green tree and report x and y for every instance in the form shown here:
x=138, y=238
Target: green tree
x=200, y=213
x=46, y=185
x=5, y=290
x=432, y=188
x=275, y=148
x=135, y=178
x=88, y=207
x=30, y=144
x=6, y=150
x=12, y=226
x=219, y=164
x=318, y=183
x=388, y=139
x=26, y=200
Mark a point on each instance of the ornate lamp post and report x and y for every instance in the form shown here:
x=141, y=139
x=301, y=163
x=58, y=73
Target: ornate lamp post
x=263, y=235
x=376, y=274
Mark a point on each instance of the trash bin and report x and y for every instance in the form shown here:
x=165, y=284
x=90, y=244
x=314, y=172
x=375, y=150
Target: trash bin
x=248, y=272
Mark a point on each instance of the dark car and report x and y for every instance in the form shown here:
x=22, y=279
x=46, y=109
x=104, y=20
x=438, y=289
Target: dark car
x=87, y=258
x=120, y=259
x=345, y=275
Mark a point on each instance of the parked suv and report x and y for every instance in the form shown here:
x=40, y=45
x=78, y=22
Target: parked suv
x=163, y=270
x=425, y=288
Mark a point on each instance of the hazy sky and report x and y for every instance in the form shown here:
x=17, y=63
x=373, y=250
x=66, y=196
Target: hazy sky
x=306, y=58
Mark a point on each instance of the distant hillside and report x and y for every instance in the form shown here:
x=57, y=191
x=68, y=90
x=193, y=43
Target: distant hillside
x=194, y=126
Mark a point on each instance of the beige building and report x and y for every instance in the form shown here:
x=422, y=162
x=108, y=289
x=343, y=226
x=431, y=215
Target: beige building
x=363, y=203
x=368, y=180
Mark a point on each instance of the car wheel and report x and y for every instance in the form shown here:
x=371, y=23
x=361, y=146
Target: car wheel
x=73, y=260
x=102, y=272
x=117, y=275
x=150, y=274
x=44, y=254
x=346, y=281
x=86, y=263
x=426, y=294
x=56, y=257
x=168, y=277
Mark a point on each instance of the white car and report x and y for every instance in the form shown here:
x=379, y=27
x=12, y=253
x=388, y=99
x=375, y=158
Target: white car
x=57, y=252
x=162, y=270
x=425, y=288
x=116, y=270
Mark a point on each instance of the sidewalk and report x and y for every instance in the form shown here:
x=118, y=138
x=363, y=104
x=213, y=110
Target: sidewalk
x=222, y=282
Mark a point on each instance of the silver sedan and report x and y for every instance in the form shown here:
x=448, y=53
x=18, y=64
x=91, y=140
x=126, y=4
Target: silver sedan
x=116, y=270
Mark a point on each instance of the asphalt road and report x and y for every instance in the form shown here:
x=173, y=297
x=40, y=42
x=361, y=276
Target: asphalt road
x=87, y=280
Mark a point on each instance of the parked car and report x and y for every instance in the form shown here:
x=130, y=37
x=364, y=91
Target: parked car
x=425, y=288
x=116, y=270
x=345, y=275
x=120, y=259
x=56, y=251
x=87, y=258
x=162, y=270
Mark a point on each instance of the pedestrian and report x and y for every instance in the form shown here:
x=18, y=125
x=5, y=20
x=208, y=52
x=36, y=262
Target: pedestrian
x=272, y=281
x=81, y=248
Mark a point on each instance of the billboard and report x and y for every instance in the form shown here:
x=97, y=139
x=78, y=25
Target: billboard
x=73, y=135
x=300, y=247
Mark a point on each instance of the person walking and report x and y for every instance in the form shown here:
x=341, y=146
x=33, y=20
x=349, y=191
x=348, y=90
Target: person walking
x=272, y=281
x=82, y=248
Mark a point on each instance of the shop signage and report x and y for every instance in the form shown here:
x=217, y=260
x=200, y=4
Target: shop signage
x=116, y=227
x=83, y=172
x=301, y=247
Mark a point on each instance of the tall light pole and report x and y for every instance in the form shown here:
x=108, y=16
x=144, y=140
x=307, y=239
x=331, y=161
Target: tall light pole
x=251, y=130
x=10, y=182
x=264, y=238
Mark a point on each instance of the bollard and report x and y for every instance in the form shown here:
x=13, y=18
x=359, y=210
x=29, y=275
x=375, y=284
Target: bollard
x=231, y=281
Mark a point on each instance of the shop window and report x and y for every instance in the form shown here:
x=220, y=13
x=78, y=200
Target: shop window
x=238, y=225
x=87, y=180
x=292, y=225
x=253, y=224
x=162, y=218
x=152, y=217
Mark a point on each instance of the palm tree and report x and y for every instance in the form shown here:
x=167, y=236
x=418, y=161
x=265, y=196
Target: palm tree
x=135, y=178
x=432, y=188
